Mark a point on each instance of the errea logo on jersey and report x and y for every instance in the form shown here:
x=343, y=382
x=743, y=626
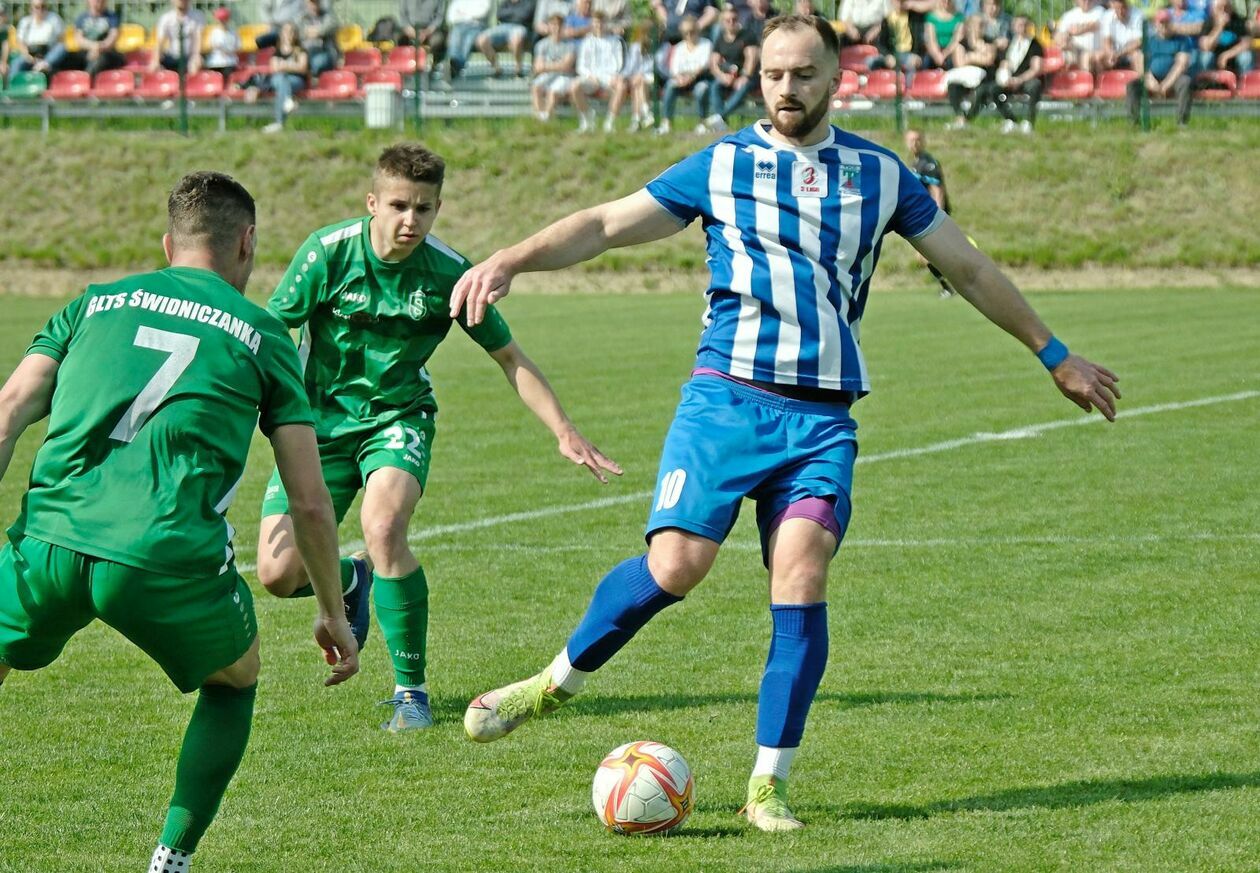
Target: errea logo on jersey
x=766, y=169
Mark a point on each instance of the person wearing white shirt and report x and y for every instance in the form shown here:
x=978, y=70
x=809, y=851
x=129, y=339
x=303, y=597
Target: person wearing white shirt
x=1121, y=29
x=863, y=19
x=688, y=72
x=37, y=34
x=1078, y=34
x=599, y=59
x=466, y=18
x=176, y=24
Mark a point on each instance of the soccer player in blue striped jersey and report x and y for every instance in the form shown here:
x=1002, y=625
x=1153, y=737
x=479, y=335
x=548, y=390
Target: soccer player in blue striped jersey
x=795, y=212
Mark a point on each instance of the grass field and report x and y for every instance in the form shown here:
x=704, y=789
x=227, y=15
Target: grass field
x=1045, y=640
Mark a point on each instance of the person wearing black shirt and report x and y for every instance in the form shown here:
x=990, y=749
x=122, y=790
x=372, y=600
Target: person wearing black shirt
x=733, y=66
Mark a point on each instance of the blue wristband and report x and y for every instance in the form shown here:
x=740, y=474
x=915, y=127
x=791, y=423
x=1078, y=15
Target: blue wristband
x=1053, y=353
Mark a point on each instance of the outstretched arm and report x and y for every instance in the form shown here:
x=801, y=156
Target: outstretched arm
x=629, y=221
x=985, y=287
x=24, y=400
x=536, y=393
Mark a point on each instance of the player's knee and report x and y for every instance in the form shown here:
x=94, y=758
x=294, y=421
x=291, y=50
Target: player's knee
x=386, y=536
x=678, y=563
x=243, y=673
x=281, y=577
x=800, y=579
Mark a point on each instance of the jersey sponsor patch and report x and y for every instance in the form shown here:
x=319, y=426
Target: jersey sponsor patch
x=850, y=180
x=809, y=179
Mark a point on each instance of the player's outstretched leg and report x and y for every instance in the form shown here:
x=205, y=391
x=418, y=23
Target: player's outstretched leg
x=624, y=601
x=799, y=553
x=214, y=745
x=281, y=572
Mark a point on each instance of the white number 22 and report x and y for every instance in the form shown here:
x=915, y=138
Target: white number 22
x=181, y=348
x=414, y=438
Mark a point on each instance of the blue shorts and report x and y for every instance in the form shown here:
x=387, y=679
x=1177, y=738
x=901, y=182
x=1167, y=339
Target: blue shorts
x=729, y=441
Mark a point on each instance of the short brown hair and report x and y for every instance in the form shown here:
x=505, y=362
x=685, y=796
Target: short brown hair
x=816, y=23
x=208, y=208
x=412, y=162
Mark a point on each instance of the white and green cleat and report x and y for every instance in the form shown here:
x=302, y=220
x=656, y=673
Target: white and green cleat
x=767, y=807
x=497, y=713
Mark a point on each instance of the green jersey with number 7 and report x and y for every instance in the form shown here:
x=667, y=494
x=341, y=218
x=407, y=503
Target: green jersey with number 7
x=153, y=416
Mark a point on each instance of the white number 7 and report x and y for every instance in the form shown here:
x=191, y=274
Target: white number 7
x=181, y=347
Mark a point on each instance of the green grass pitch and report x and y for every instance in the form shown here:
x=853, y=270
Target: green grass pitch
x=1044, y=653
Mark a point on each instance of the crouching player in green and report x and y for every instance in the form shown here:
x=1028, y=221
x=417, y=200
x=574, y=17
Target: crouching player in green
x=372, y=296
x=152, y=386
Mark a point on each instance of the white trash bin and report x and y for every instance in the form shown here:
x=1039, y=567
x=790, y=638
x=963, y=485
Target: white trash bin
x=382, y=106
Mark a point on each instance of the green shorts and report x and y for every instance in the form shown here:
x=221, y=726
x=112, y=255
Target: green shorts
x=191, y=627
x=349, y=460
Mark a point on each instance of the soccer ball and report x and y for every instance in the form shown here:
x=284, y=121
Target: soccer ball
x=643, y=788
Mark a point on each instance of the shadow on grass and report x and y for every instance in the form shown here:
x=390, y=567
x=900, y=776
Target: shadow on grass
x=891, y=867
x=1068, y=794
x=593, y=704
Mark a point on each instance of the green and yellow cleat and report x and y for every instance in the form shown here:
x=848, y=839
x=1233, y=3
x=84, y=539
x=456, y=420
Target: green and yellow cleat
x=767, y=807
x=497, y=713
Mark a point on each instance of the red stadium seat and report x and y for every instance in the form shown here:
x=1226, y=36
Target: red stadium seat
x=362, y=61
x=386, y=77
x=259, y=61
x=404, y=59
x=1052, y=61
x=162, y=85
x=240, y=77
x=928, y=85
x=69, y=85
x=848, y=85
x=1070, y=85
x=204, y=85
x=853, y=57
x=335, y=85
x=1250, y=87
x=114, y=85
x=1215, y=85
x=882, y=84
x=138, y=61
x=1113, y=84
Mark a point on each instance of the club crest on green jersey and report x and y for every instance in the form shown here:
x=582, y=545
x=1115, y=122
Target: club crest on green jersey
x=417, y=304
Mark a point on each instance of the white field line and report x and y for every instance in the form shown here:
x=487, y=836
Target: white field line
x=1017, y=433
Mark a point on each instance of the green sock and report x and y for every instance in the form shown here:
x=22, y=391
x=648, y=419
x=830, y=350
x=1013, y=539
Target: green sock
x=347, y=578
x=402, y=608
x=213, y=747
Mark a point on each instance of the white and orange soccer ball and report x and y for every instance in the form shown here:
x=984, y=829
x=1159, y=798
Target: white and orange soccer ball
x=643, y=788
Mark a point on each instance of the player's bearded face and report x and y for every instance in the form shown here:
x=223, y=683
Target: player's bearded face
x=797, y=80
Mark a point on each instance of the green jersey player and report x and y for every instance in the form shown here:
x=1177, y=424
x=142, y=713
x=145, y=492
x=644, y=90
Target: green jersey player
x=153, y=386
x=372, y=297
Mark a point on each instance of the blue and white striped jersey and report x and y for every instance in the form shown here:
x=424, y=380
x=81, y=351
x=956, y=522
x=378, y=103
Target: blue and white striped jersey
x=793, y=235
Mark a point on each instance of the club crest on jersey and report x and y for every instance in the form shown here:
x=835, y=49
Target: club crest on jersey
x=809, y=179
x=766, y=169
x=851, y=179
x=417, y=305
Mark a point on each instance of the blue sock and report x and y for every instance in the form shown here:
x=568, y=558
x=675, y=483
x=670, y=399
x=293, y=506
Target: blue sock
x=798, y=657
x=624, y=601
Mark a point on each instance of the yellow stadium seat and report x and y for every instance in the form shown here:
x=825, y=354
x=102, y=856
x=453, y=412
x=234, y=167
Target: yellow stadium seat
x=71, y=40
x=248, y=34
x=206, y=33
x=349, y=37
x=12, y=37
x=131, y=37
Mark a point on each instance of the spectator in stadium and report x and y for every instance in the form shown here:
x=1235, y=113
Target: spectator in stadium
x=224, y=44
x=1121, y=29
x=733, y=66
x=97, y=31
x=974, y=71
x=991, y=26
x=577, y=24
x=543, y=10
x=635, y=78
x=466, y=18
x=177, y=39
x=1170, y=56
x=616, y=15
x=289, y=67
x=927, y=170
x=671, y=13
x=275, y=13
x=943, y=33
x=424, y=25
x=688, y=72
x=317, y=31
x=1078, y=35
x=38, y=33
x=862, y=20
x=515, y=18
x=599, y=59
x=554, y=62
x=1188, y=19
x=1019, y=76
x=755, y=16
x=1227, y=42
x=896, y=43
x=4, y=43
